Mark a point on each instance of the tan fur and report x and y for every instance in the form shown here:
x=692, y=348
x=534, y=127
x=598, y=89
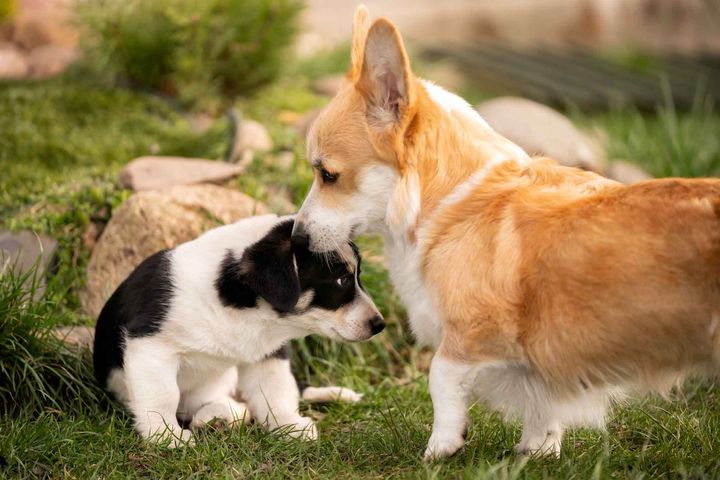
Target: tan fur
x=587, y=281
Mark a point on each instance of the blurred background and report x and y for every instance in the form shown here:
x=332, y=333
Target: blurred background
x=129, y=126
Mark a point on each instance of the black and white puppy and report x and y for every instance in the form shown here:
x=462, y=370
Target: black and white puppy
x=195, y=327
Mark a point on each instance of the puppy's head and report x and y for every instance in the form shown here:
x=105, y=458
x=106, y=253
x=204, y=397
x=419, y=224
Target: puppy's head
x=333, y=301
x=355, y=145
x=318, y=293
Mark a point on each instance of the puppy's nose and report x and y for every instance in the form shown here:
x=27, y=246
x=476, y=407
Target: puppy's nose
x=376, y=324
x=300, y=237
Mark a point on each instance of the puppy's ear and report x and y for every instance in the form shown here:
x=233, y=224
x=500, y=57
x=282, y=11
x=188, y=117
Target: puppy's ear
x=269, y=269
x=360, y=27
x=385, y=79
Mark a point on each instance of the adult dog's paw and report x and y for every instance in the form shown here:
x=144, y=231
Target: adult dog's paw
x=441, y=446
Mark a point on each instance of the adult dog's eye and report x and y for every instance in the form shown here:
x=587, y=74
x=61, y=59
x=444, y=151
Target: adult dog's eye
x=343, y=281
x=328, y=177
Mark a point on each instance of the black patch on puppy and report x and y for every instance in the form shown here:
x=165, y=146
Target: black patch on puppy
x=266, y=269
x=329, y=277
x=282, y=353
x=138, y=307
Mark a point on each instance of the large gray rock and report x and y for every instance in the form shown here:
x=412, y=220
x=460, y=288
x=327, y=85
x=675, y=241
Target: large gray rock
x=50, y=60
x=13, y=65
x=540, y=130
x=23, y=251
x=155, y=220
x=156, y=173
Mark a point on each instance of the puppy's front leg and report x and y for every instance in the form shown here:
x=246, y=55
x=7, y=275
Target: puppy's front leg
x=450, y=389
x=271, y=393
x=151, y=375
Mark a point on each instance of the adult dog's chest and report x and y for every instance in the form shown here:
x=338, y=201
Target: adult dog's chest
x=404, y=262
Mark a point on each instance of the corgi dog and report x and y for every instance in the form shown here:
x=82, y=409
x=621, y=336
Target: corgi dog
x=546, y=291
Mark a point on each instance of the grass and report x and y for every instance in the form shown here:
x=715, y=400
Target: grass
x=61, y=146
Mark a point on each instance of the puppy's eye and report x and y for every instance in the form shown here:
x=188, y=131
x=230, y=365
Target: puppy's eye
x=328, y=177
x=344, y=280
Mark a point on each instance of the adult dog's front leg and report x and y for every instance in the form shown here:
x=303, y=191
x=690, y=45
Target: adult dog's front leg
x=450, y=389
x=271, y=393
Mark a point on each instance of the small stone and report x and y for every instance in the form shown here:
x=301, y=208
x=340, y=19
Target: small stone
x=150, y=221
x=201, y=122
x=156, y=173
x=540, y=130
x=250, y=136
x=50, y=60
x=13, y=65
x=328, y=86
x=90, y=235
x=21, y=252
x=76, y=336
x=626, y=172
x=285, y=160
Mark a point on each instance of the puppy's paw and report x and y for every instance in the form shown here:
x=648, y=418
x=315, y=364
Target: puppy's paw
x=171, y=437
x=441, y=446
x=303, y=428
x=232, y=412
x=330, y=394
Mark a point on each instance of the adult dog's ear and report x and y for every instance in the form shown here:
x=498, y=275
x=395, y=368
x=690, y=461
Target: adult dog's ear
x=385, y=79
x=268, y=269
x=360, y=27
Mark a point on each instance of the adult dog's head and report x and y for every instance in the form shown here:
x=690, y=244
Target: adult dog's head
x=353, y=144
x=390, y=147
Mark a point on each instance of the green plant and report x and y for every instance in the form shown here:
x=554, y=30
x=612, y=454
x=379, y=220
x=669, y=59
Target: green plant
x=197, y=50
x=7, y=9
x=37, y=370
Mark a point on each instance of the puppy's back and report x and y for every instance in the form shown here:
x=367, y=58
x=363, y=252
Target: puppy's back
x=136, y=309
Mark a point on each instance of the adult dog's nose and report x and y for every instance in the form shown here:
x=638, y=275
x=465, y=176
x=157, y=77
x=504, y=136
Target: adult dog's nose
x=300, y=237
x=376, y=324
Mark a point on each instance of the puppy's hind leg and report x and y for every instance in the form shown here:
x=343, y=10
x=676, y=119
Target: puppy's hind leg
x=330, y=394
x=151, y=375
x=208, y=395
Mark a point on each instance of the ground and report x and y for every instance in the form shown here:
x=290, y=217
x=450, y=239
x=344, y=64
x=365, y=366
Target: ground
x=61, y=146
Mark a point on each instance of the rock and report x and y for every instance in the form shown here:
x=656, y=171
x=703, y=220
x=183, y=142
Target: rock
x=50, y=60
x=150, y=221
x=31, y=31
x=13, y=65
x=155, y=173
x=249, y=136
x=626, y=172
x=328, y=86
x=305, y=122
x=540, y=130
x=76, y=336
x=201, y=122
x=285, y=160
x=20, y=252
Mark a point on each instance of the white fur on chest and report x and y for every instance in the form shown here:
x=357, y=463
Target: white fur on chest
x=404, y=263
